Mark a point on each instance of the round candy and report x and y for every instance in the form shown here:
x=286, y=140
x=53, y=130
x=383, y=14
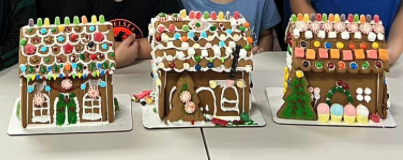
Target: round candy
x=249, y=39
x=246, y=24
x=375, y=45
x=365, y=65
x=213, y=84
x=198, y=67
x=184, y=38
x=359, y=90
x=367, y=90
x=318, y=64
x=351, y=46
x=306, y=63
x=340, y=45
x=330, y=65
x=353, y=65
x=240, y=83
x=185, y=28
x=363, y=46
x=23, y=42
x=316, y=44
x=378, y=64
x=303, y=44
x=247, y=48
x=210, y=65
x=328, y=45
x=299, y=74
x=360, y=97
x=342, y=65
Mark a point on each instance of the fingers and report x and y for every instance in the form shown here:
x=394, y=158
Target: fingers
x=260, y=50
x=135, y=46
x=254, y=50
x=128, y=41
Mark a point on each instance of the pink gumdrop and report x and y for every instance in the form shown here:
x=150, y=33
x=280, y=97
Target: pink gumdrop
x=350, y=110
x=323, y=108
x=172, y=28
x=198, y=15
x=236, y=14
x=213, y=15
x=191, y=14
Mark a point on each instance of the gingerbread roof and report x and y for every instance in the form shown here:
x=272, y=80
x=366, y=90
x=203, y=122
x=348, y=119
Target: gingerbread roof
x=355, y=44
x=82, y=49
x=201, y=42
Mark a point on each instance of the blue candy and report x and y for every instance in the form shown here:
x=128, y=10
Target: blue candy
x=99, y=65
x=328, y=45
x=204, y=35
x=92, y=28
x=44, y=49
x=48, y=89
x=23, y=68
x=30, y=89
x=60, y=39
x=43, y=31
x=229, y=31
x=177, y=36
x=104, y=46
x=336, y=109
x=74, y=65
x=102, y=84
x=222, y=44
x=198, y=67
x=83, y=86
x=191, y=34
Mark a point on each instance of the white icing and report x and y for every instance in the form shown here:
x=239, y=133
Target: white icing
x=371, y=36
x=367, y=98
x=224, y=100
x=345, y=35
x=200, y=89
x=42, y=118
x=360, y=97
x=170, y=96
x=92, y=115
x=357, y=35
x=367, y=90
x=243, y=53
x=322, y=34
x=180, y=55
x=191, y=51
x=362, y=110
x=359, y=90
x=232, y=44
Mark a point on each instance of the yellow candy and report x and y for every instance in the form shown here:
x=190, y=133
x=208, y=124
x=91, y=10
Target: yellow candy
x=306, y=17
x=94, y=19
x=285, y=90
x=316, y=44
x=97, y=73
x=161, y=65
x=220, y=16
x=183, y=13
x=240, y=83
x=286, y=70
x=285, y=85
x=47, y=23
x=340, y=45
x=337, y=18
x=285, y=77
x=79, y=75
x=158, y=82
x=33, y=77
x=54, y=77
x=149, y=101
x=213, y=84
x=61, y=28
x=299, y=74
x=375, y=45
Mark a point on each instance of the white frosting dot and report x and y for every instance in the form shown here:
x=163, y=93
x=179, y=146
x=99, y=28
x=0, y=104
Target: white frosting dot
x=359, y=90
x=232, y=44
x=186, y=65
x=180, y=55
x=367, y=98
x=210, y=38
x=367, y=91
x=223, y=37
x=360, y=97
x=196, y=46
x=204, y=53
x=185, y=45
x=169, y=58
x=242, y=53
x=191, y=51
x=228, y=51
x=381, y=37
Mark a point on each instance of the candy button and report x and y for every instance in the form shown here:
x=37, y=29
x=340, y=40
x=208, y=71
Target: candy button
x=330, y=65
x=250, y=40
x=319, y=64
x=299, y=74
x=204, y=35
x=306, y=64
x=186, y=65
x=351, y=46
x=198, y=67
x=240, y=83
x=184, y=38
x=375, y=45
x=185, y=28
x=328, y=45
x=342, y=65
x=247, y=48
x=316, y=44
x=353, y=65
x=303, y=44
x=365, y=65
x=23, y=42
x=378, y=64
x=340, y=45
x=191, y=34
x=363, y=46
x=210, y=65
x=213, y=84
x=246, y=24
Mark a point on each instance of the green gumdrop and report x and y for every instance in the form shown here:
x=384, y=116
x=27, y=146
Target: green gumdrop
x=185, y=28
x=82, y=57
x=112, y=54
x=76, y=20
x=101, y=19
x=66, y=20
x=213, y=28
x=57, y=21
x=105, y=65
x=206, y=15
x=222, y=59
x=247, y=48
x=23, y=42
x=197, y=59
x=245, y=117
x=356, y=18
x=294, y=18
x=324, y=17
x=242, y=28
x=39, y=22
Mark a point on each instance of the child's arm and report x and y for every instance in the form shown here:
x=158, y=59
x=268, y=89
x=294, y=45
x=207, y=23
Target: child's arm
x=144, y=49
x=265, y=41
x=126, y=51
x=302, y=6
x=395, y=40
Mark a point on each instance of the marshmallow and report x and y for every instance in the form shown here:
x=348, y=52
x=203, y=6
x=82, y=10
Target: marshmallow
x=357, y=35
x=296, y=33
x=322, y=34
x=345, y=35
x=332, y=35
x=371, y=36
x=308, y=35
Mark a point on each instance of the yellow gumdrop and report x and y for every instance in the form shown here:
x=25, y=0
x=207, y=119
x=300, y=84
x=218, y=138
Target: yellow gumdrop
x=286, y=70
x=285, y=85
x=284, y=90
x=286, y=77
x=299, y=74
x=61, y=28
x=183, y=13
x=220, y=15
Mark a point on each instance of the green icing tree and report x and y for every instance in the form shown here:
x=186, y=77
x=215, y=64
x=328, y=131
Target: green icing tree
x=298, y=103
x=66, y=102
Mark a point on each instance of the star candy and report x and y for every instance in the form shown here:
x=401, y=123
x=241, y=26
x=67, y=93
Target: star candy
x=98, y=37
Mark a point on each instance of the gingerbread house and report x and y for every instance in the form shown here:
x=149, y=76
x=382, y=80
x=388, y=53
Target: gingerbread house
x=66, y=72
x=202, y=65
x=335, y=59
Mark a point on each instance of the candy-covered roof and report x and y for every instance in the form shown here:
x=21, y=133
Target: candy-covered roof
x=201, y=42
x=81, y=49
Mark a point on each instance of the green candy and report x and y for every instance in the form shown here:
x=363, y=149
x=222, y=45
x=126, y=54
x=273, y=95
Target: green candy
x=356, y=18
x=61, y=65
x=222, y=59
x=112, y=65
x=30, y=30
x=43, y=70
x=206, y=15
x=294, y=18
x=350, y=99
x=105, y=65
x=57, y=21
x=213, y=28
x=56, y=68
x=347, y=93
x=80, y=67
x=242, y=29
x=245, y=117
x=39, y=22
x=319, y=64
x=82, y=57
x=324, y=17
x=198, y=24
x=102, y=19
x=31, y=69
x=330, y=95
x=185, y=28
x=47, y=59
x=197, y=59
x=76, y=20
x=23, y=42
x=365, y=65
x=53, y=30
x=247, y=48
x=67, y=21
x=112, y=54
x=92, y=66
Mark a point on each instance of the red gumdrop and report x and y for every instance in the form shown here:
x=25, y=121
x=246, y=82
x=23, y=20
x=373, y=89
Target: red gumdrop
x=198, y=15
x=350, y=18
x=318, y=17
x=236, y=14
x=376, y=19
x=158, y=39
x=172, y=65
x=191, y=14
x=93, y=57
x=213, y=15
x=172, y=28
x=73, y=37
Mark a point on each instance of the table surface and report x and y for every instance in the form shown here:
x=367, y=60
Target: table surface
x=272, y=141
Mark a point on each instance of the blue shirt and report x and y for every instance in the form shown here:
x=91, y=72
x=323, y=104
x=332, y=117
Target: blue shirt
x=261, y=14
x=386, y=9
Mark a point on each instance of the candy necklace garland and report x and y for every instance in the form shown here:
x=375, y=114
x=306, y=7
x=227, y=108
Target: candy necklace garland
x=341, y=87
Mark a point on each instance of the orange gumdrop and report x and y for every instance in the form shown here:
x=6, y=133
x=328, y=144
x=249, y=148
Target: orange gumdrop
x=246, y=24
x=184, y=38
x=331, y=17
x=250, y=40
x=299, y=17
x=67, y=67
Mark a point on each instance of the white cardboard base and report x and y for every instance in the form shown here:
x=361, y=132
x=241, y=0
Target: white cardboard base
x=151, y=120
x=275, y=98
x=123, y=122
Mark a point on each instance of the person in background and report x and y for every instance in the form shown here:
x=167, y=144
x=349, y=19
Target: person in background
x=390, y=12
x=261, y=14
x=14, y=14
x=130, y=19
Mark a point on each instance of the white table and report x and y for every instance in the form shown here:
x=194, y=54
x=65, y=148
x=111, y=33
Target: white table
x=138, y=144
x=306, y=142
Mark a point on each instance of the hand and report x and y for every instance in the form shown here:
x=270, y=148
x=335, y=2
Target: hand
x=257, y=50
x=393, y=56
x=126, y=52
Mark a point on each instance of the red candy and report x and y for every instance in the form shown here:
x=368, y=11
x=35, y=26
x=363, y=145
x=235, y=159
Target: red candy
x=198, y=15
x=172, y=28
x=160, y=29
x=345, y=86
x=351, y=46
x=73, y=37
x=363, y=46
x=158, y=39
x=213, y=15
x=99, y=37
x=219, y=122
x=330, y=65
x=172, y=65
x=93, y=57
x=191, y=14
x=376, y=19
x=350, y=18
x=236, y=14
x=68, y=48
x=340, y=83
x=318, y=17
x=375, y=118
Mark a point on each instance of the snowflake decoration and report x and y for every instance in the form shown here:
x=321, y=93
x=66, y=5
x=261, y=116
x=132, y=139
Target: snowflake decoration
x=339, y=27
x=190, y=107
x=353, y=27
x=93, y=92
x=315, y=27
x=379, y=28
x=327, y=27
x=39, y=99
x=365, y=28
x=301, y=26
x=67, y=84
x=185, y=96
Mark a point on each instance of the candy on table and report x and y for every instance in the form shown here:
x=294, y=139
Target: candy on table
x=220, y=122
x=375, y=118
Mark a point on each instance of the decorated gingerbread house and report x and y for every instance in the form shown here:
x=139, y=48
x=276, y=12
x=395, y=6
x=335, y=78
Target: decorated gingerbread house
x=201, y=66
x=66, y=72
x=336, y=66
